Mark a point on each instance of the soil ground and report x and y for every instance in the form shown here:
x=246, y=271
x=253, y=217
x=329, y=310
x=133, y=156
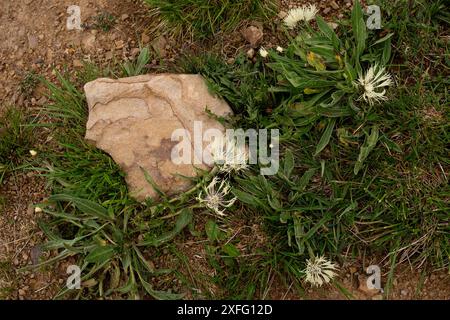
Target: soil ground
x=34, y=38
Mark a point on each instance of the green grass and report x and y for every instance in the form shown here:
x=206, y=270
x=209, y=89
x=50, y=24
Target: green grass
x=16, y=140
x=204, y=18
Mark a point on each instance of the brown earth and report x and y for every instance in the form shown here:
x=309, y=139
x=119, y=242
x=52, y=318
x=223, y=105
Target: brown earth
x=33, y=38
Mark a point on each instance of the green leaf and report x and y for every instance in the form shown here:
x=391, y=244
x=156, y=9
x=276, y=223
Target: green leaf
x=100, y=254
x=245, y=197
x=304, y=180
x=328, y=31
x=158, y=295
x=359, y=30
x=325, y=139
x=144, y=261
x=288, y=163
x=299, y=233
x=285, y=216
x=150, y=180
x=85, y=206
x=381, y=40
x=390, y=145
x=183, y=220
x=212, y=230
x=231, y=250
x=368, y=146
x=386, y=55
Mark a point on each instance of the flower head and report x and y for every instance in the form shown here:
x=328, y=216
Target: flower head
x=263, y=52
x=233, y=157
x=305, y=13
x=215, y=196
x=319, y=271
x=372, y=82
x=280, y=49
x=33, y=153
x=310, y=12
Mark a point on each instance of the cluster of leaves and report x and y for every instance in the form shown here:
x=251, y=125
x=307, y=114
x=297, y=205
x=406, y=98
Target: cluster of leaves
x=317, y=73
x=204, y=18
x=114, y=248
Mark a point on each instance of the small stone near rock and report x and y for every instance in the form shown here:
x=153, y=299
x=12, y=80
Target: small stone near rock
x=88, y=41
x=334, y=5
x=253, y=35
x=77, y=63
x=134, y=52
x=42, y=101
x=333, y=25
x=251, y=53
x=119, y=44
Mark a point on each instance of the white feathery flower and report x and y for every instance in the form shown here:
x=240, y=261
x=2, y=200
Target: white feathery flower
x=263, y=52
x=375, y=78
x=215, y=196
x=33, y=153
x=231, y=158
x=319, y=271
x=310, y=12
x=280, y=49
x=305, y=13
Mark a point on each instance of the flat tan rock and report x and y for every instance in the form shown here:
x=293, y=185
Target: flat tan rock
x=133, y=119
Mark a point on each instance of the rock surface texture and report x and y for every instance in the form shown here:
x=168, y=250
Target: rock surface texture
x=133, y=119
